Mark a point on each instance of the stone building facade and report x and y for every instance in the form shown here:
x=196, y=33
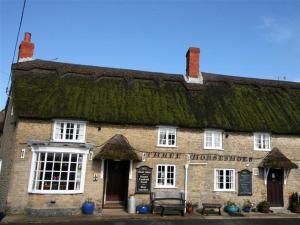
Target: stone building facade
x=52, y=148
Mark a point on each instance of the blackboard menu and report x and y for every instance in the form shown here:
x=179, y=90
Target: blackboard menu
x=245, y=183
x=143, y=180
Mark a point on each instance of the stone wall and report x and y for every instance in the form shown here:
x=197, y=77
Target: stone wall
x=6, y=154
x=144, y=139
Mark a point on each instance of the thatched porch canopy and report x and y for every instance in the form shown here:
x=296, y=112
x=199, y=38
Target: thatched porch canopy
x=275, y=159
x=117, y=148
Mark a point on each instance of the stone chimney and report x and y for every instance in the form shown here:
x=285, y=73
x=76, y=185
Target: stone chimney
x=193, y=74
x=26, y=48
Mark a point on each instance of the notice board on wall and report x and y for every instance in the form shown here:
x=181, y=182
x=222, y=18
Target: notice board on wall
x=143, y=180
x=245, y=182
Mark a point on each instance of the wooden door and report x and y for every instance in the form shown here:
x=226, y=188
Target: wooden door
x=117, y=181
x=275, y=187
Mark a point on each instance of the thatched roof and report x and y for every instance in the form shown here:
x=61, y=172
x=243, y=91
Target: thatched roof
x=275, y=159
x=47, y=90
x=117, y=148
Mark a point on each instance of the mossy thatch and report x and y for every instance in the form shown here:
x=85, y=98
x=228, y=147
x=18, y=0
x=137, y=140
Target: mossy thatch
x=46, y=90
x=275, y=159
x=117, y=148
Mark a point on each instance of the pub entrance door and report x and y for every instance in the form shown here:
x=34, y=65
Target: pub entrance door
x=116, y=183
x=275, y=187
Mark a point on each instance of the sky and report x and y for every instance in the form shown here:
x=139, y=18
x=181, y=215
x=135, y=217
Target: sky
x=249, y=38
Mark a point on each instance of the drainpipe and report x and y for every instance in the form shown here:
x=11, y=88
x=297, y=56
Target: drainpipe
x=186, y=166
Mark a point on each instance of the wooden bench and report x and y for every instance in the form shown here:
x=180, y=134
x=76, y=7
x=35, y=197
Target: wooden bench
x=167, y=201
x=211, y=206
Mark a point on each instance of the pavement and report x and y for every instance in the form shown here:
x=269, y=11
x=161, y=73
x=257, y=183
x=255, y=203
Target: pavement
x=110, y=215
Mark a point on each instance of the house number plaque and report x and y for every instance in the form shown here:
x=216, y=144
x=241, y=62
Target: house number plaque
x=143, y=180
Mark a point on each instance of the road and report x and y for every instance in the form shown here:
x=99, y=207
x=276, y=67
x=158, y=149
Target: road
x=180, y=222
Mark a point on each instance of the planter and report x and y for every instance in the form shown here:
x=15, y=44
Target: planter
x=232, y=209
x=189, y=210
x=296, y=209
x=143, y=209
x=88, y=208
x=247, y=209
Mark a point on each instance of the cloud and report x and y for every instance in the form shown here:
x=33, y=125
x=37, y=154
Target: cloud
x=277, y=31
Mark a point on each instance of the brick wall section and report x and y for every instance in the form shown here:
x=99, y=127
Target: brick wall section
x=6, y=154
x=200, y=186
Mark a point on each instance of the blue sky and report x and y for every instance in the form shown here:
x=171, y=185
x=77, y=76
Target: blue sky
x=257, y=38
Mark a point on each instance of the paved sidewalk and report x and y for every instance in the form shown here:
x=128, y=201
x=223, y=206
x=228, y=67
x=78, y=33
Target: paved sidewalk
x=118, y=215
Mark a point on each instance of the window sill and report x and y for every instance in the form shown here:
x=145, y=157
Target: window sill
x=218, y=149
x=68, y=141
x=224, y=191
x=166, y=146
x=160, y=187
x=262, y=150
x=55, y=192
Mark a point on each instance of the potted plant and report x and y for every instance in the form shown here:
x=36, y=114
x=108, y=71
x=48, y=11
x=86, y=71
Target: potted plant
x=247, y=206
x=231, y=207
x=189, y=207
x=295, y=202
x=88, y=206
x=143, y=208
x=263, y=206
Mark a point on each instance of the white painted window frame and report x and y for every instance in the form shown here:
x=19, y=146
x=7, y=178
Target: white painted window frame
x=224, y=181
x=213, y=132
x=255, y=138
x=75, y=122
x=35, y=151
x=165, y=186
x=167, y=129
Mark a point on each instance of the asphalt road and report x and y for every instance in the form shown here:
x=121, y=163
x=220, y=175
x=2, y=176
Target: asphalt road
x=181, y=222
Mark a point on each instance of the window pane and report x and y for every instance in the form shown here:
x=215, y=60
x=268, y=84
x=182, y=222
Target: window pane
x=208, y=139
x=163, y=137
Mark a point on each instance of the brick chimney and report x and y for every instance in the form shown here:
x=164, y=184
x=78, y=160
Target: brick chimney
x=193, y=74
x=26, y=48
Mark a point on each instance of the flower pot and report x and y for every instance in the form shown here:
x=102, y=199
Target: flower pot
x=232, y=209
x=296, y=209
x=88, y=208
x=143, y=209
x=247, y=209
x=189, y=210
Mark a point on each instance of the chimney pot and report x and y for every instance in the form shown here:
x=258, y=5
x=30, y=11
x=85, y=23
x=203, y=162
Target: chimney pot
x=27, y=37
x=26, y=48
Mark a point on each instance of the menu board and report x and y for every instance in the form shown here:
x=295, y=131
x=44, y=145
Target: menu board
x=143, y=180
x=245, y=183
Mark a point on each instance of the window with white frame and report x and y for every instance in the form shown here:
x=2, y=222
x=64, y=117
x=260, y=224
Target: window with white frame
x=262, y=141
x=58, y=172
x=165, y=176
x=224, y=180
x=166, y=137
x=69, y=131
x=213, y=139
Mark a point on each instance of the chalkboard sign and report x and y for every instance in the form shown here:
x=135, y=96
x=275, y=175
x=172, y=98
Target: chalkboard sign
x=245, y=183
x=143, y=180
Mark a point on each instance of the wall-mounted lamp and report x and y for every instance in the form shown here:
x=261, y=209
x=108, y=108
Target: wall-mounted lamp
x=91, y=154
x=22, y=155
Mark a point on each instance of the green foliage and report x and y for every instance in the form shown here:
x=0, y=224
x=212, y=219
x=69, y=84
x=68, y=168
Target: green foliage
x=230, y=203
x=263, y=205
x=294, y=199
